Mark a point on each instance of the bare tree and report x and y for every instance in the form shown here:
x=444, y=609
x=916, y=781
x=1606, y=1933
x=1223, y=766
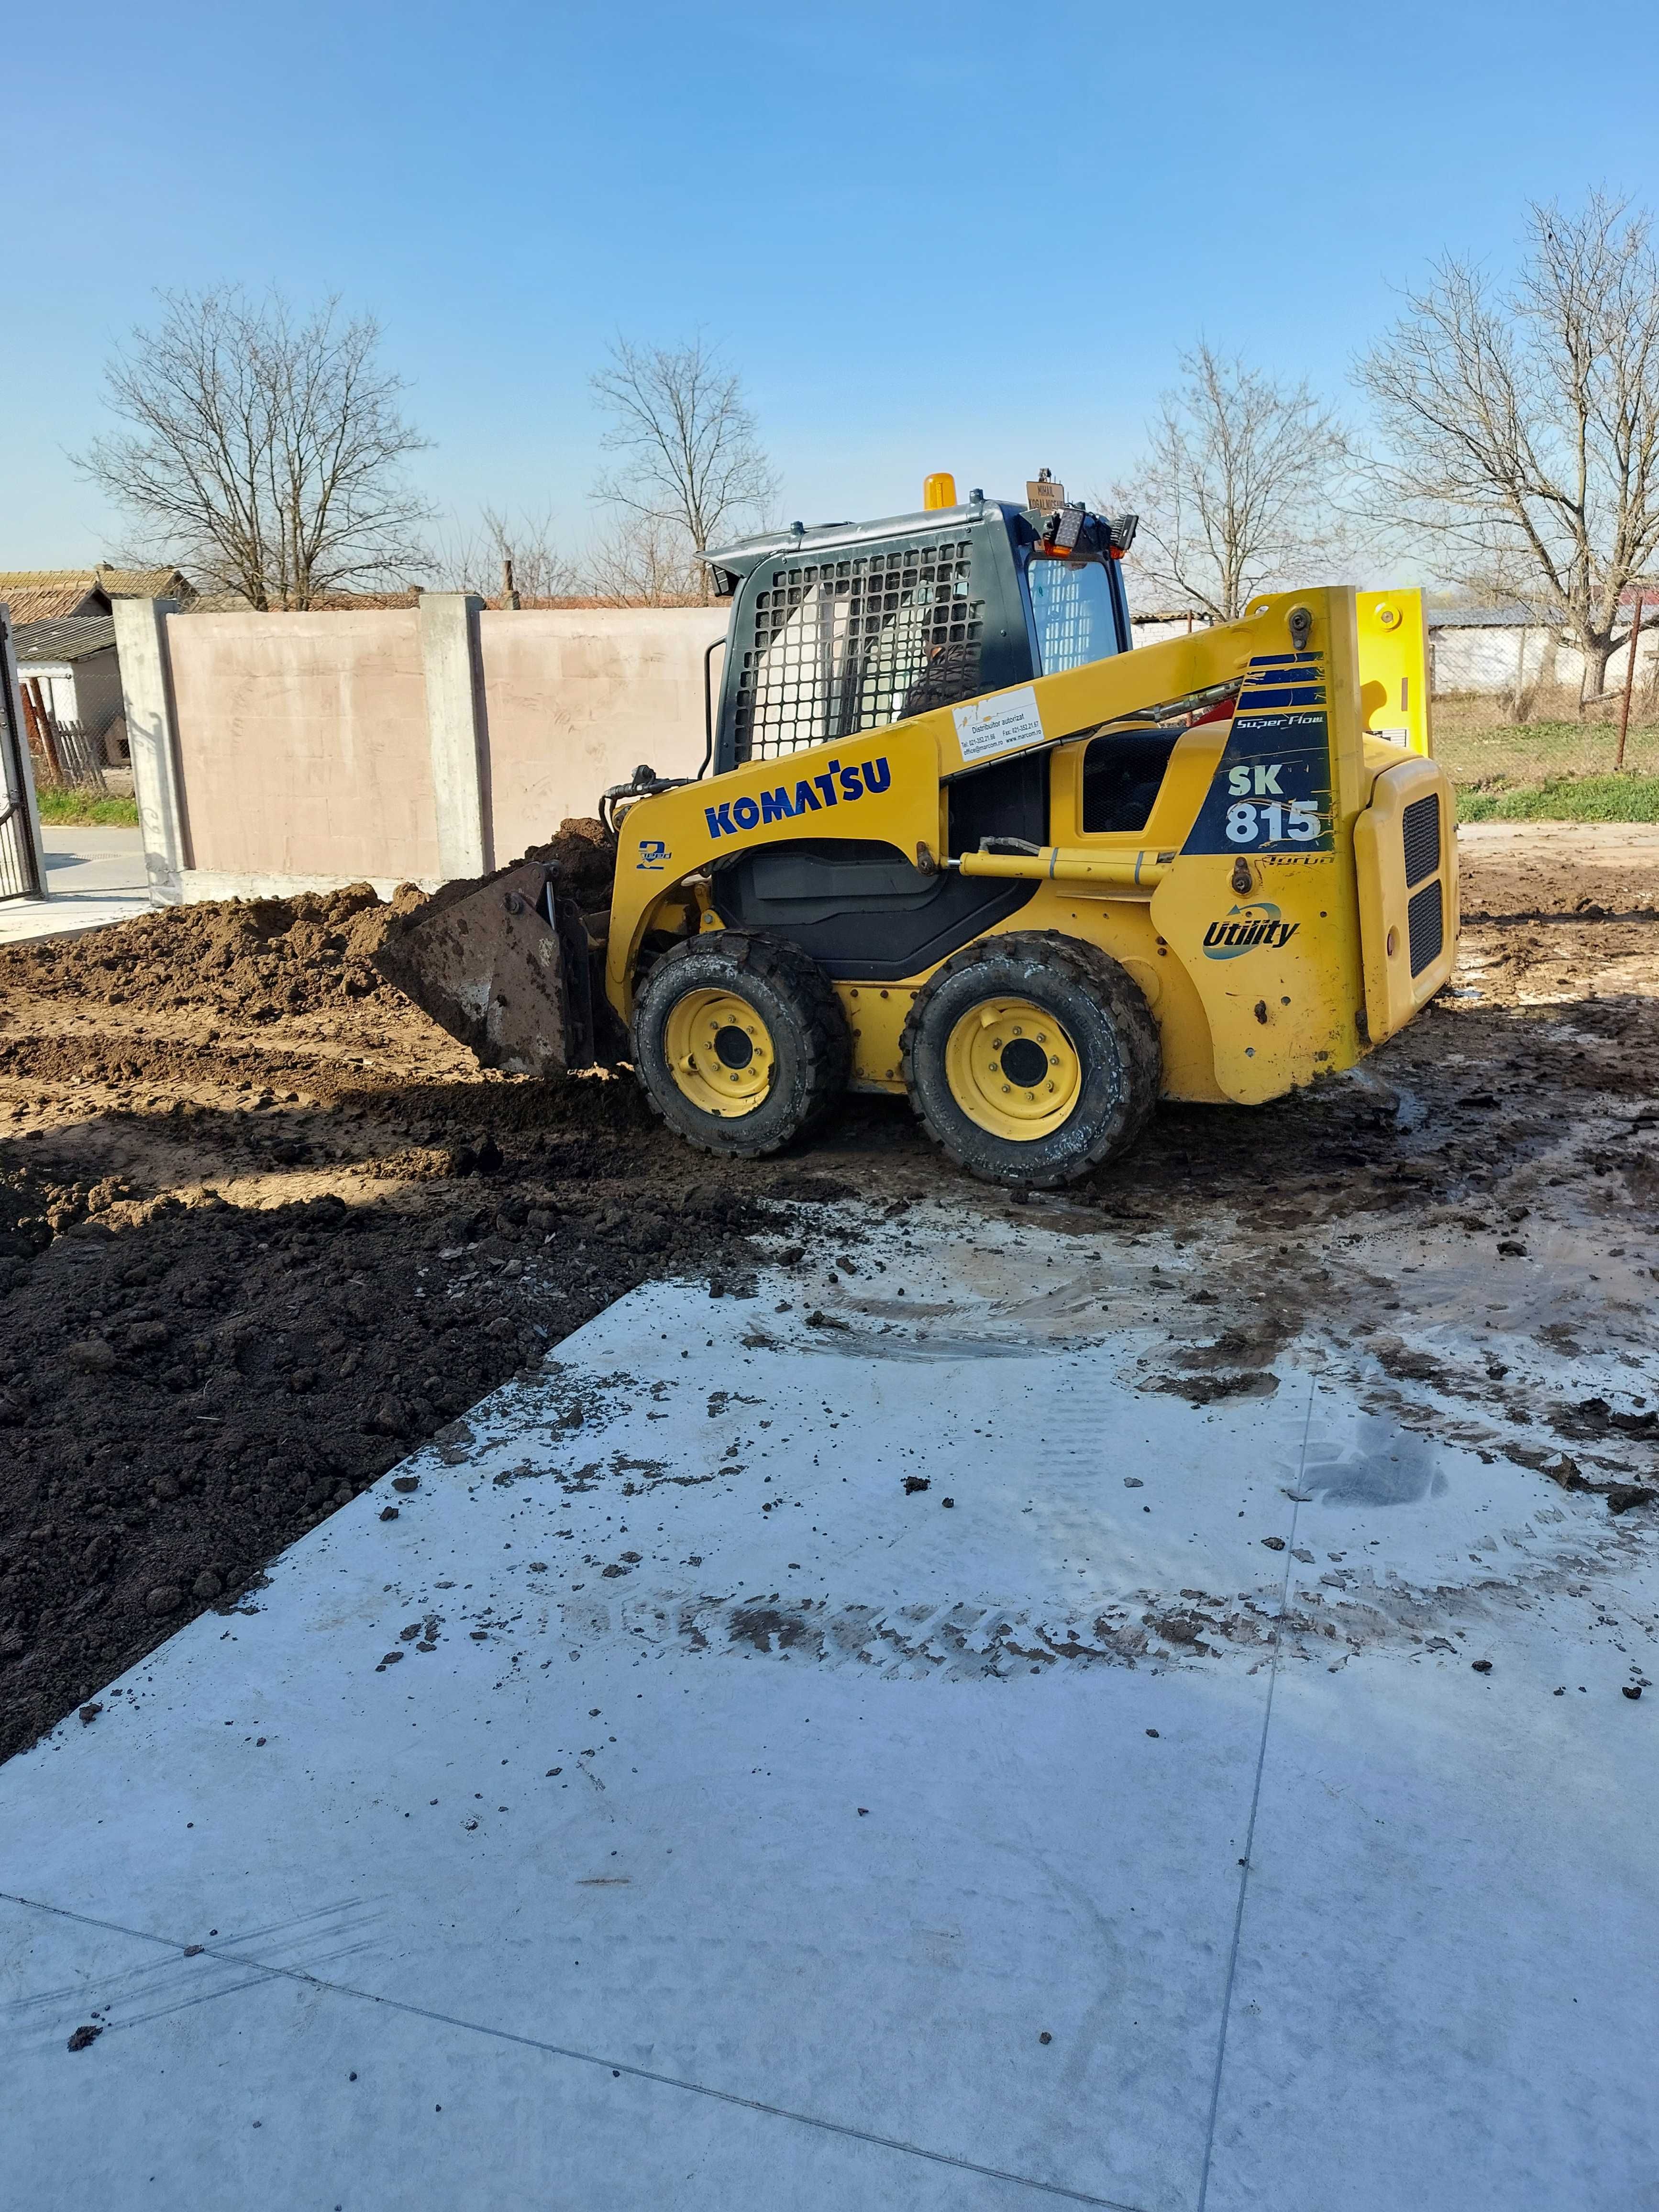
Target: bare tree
x=480, y=562
x=1239, y=488
x=1521, y=422
x=689, y=463
x=643, y=562
x=264, y=448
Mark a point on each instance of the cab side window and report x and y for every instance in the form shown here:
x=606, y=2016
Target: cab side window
x=1072, y=606
x=1121, y=778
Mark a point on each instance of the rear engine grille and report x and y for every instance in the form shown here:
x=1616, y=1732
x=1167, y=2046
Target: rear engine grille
x=1421, y=831
x=1426, y=921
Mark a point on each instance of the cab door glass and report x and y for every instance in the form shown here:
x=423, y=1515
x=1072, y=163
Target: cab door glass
x=1072, y=606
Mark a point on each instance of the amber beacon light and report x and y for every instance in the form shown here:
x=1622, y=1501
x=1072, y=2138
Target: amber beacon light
x=940, y=490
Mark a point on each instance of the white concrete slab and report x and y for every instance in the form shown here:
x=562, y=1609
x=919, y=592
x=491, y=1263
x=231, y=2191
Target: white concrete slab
x=1446, y=1965
x=90, y=861
x=733, y=1823
x=94, y=878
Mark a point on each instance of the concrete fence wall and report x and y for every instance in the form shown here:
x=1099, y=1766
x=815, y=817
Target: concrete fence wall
x=1508, y=658
x=1493, y=658
x=283, y=752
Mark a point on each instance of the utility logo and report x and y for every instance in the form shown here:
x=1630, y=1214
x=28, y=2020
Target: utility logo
x=1244, y=928
x=652, y=853
x=812, y=794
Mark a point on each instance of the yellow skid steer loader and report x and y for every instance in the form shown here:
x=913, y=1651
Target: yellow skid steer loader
x=954, y=840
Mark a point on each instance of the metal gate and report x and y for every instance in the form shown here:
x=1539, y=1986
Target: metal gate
x=19, y=853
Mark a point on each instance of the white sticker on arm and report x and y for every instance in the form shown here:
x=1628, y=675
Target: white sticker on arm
x=1001, y=724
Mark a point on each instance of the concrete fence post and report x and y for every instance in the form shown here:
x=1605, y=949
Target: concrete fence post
x=454, y=711
x=141, y=650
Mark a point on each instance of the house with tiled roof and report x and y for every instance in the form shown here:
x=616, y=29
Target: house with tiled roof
x=58, y=594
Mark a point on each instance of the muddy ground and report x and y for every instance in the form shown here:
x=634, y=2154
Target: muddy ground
x=263, y=1229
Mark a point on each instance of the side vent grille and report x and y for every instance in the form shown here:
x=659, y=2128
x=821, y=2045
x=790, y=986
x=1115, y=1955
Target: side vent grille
x=1421, y=831
x=1426, y=921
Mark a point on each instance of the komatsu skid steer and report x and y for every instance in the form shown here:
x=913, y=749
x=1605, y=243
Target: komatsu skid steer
x=955, y=841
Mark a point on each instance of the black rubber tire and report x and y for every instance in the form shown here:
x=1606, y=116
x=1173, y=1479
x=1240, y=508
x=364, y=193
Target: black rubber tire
x=1104, y=1012
x=794, y=998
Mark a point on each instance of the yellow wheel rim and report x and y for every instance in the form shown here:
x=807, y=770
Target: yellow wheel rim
x=1012, y=1069
x=721, y=1054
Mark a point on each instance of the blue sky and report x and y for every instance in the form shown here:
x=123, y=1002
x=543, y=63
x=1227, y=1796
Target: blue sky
x=962, y=235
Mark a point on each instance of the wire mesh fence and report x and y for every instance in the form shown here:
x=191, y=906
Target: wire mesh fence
x=1479, y=753
x=63, y=754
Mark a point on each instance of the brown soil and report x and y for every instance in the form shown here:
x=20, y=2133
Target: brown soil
x=262, y=1228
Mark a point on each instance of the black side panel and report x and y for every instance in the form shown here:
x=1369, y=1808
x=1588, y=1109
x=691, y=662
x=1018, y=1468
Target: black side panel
x=1010, y=798
x=862, y=911
x=1122, y=776
x=820, y=879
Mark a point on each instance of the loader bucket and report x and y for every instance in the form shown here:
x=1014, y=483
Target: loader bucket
x=504, y=964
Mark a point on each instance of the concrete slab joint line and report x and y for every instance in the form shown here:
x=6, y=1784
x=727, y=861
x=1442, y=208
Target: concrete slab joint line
x=141, y=644
x=670, y=1723
x=233, y=1954
x=1255, y=1801
x=455, y=728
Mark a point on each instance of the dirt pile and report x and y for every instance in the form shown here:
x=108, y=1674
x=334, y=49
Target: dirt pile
x=254, y=960
x=263, y=960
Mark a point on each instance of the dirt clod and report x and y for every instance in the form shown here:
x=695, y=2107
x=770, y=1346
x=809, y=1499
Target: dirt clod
x=1621, y=1496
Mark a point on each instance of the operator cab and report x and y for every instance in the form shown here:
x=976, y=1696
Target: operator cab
x=851, y=626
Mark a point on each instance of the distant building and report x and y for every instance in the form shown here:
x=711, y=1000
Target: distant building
x=1516, y=649
x=64, y=594
x=1151, y=625
x=73, y=661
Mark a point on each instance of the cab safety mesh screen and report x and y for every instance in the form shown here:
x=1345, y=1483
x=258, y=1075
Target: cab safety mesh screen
x=1420, y=829
x=845, y=645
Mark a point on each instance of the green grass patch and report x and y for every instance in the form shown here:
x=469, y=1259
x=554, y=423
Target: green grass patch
x=1565, y=798
x=1536, y=752
x=85, y=809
